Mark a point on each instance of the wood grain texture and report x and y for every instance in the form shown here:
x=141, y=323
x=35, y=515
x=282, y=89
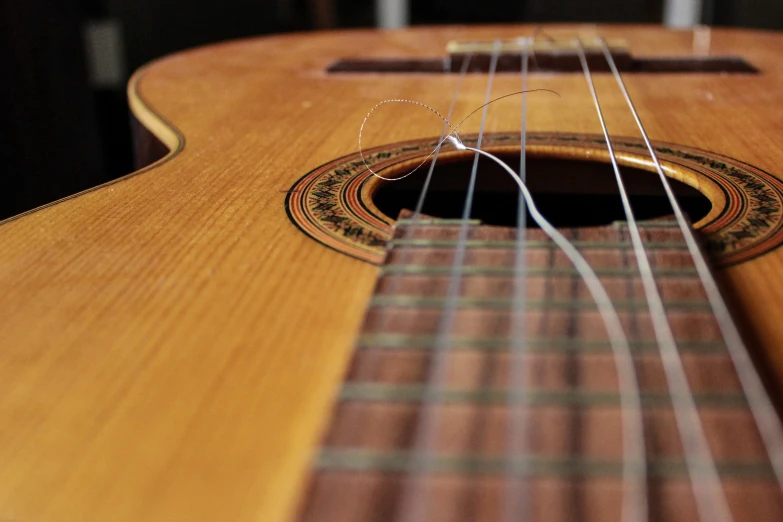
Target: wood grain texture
x=171, y=342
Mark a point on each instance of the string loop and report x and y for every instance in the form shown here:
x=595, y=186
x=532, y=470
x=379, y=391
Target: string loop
x=446, y=121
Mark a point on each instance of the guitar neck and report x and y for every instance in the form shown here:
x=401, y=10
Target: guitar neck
x=552, y=432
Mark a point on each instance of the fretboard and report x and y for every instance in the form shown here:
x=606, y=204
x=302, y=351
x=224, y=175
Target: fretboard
x=568, y=466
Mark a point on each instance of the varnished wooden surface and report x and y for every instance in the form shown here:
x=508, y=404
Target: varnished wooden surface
x=171, y=342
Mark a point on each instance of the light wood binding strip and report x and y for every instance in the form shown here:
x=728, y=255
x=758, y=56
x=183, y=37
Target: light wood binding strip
x=155, y=123
x=572, y=406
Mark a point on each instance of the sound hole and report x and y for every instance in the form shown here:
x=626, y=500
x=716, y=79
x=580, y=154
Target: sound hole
x=569, y=193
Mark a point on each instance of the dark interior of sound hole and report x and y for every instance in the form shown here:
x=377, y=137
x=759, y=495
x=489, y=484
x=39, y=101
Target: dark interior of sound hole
x=568, y=193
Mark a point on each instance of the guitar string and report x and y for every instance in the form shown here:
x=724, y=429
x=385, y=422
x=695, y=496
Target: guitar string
x=368, y=363
x=516, y=505
x=606, y=309
x=762, y=409
x=454, y=97
x=635, y=509
x=710, y=501
x=521, y=227
x=435, y=112
x=415, y=501
x=416, y=506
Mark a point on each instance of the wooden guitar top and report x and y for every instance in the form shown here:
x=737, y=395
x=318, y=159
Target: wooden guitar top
x=170, y=343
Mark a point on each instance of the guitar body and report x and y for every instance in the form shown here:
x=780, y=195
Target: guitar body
x=172, y=342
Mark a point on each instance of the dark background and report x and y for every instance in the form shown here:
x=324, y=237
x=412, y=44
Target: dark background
x=62, y=130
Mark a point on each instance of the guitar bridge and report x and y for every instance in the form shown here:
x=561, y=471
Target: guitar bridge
x=544, y=56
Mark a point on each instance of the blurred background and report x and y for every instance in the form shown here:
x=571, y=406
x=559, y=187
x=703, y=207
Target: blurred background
x=64, y=119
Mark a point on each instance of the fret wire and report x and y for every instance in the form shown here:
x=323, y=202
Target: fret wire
x=425, y=342
x=414, y=393
x=414, y=301
x=460, y=222
x=439, y=222
x=529, y=245
x=647, y=224
x=335, y=459
x=710, y=502
x=480, y=270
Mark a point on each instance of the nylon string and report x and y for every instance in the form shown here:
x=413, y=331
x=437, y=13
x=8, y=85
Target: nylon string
x=614, y=328
x=517, y=494
x=415, y=495
x=368, y=364
x=710, y=501
x=761, y=407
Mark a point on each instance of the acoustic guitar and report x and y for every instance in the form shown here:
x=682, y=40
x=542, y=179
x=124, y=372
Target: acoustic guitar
x=543, y=285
